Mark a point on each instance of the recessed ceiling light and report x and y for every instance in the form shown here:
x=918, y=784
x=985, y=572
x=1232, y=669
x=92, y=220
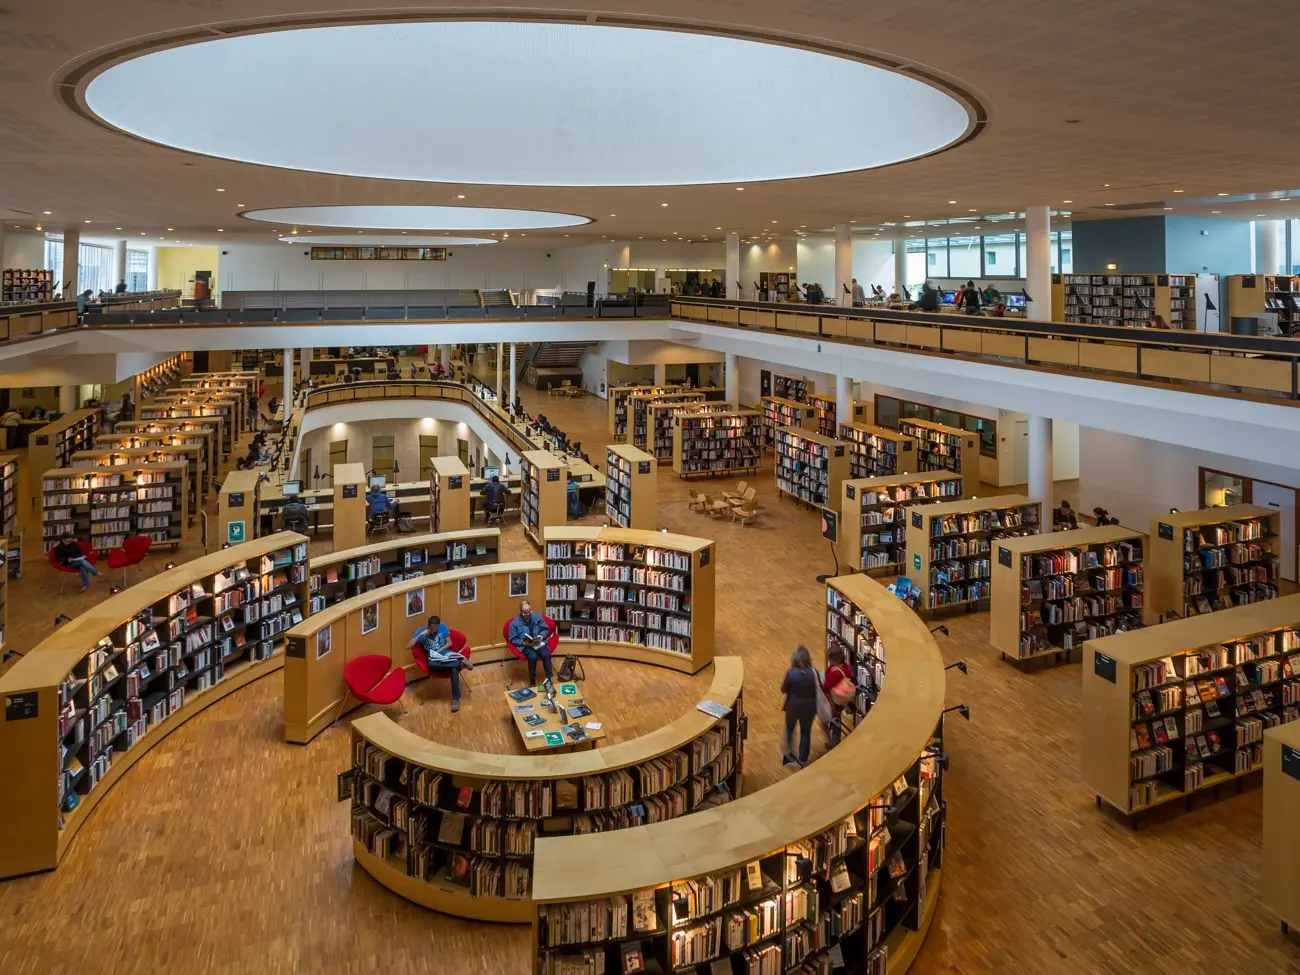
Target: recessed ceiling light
x=117, y=228
x=221, y=230
x=39, y=227
x=1216, y=211
x=1178, y=191
x=171, y=228
x=1259, y=214
x=740, y=189
x=1110, y=204
x=239, y=204
x=663, y=204
x=48, y=212
x=1105, y=184
x=1067, y=201
x=1223, y=194
x=908, y=216
x=1168, y=208
x=970, y=211
x=952, y=201
x=87, y=221
x=142, y=233
x=460, y=196
x=220, y=190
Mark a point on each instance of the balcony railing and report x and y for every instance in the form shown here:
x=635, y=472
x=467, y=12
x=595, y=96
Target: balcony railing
x=1212, y=362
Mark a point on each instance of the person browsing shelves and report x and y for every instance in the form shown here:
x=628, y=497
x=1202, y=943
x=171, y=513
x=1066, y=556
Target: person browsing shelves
x=433, y=642
x=837, y=685
x=529, y=632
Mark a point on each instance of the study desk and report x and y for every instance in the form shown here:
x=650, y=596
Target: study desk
x=567, y=695
x=411, y=497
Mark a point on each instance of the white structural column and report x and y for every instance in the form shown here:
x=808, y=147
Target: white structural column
x=445, y=352
x=501, y=351
x=119, y=261
x=71, y=262
x=288, y=379
x=152, y=278
x=731, y=378
x=843, y=264
x=843, y=401
x=1040, y=464
x=67, y=399
x=1268, y=246
x=1038, y=266
x=733, y=265
x=661, y=374
x=514, y=369
x=900, y=265
x=304, y=363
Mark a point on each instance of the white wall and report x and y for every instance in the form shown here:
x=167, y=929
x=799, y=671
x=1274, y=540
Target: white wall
x=780, y=255
x=21, y=249
x=816, y=261
x=750, y=380
x=1134, y=479
x=285, y=267
x=681, y=254
x=406, y=435
x=873, y=263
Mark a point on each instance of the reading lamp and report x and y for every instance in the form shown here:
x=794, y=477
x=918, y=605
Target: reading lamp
x=960, y=665
x=961, y=709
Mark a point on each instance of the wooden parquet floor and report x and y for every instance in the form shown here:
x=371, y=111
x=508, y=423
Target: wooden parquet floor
x=224, y=851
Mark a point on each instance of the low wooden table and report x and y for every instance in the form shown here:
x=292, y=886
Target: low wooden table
x=566, y=694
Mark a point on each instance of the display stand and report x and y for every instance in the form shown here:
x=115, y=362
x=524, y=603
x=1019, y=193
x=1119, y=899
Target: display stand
x=809, y=467
x=651, y=594
x=878, y=452
x=950, y=546
x=237, y=509
x=944, y=448
x=1053, y=592
x=349, y=506
x=631, y=487
x=1212, y=559
x=449, y=493
x=1181, y=708
x=873, y=516
x=543, y=502
x=100, y=691
x=718, y=444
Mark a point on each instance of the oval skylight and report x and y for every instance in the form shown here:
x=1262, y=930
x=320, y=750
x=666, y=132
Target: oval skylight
x=423, y=218
x=386, y=240
x=526, y=104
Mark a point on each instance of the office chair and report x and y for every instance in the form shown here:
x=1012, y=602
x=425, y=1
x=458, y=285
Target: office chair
x=296, y=523
x=494, y=514
x=381, y=522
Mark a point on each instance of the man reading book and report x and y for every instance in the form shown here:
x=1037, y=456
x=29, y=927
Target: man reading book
x=529, y=632
x=433, y=643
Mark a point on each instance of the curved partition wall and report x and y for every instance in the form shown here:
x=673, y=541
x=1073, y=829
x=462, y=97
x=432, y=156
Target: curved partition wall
x=454, y=830
x=103, y=689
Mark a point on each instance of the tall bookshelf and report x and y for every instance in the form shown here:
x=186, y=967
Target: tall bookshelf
x=1280, y=894
x=106, y=505
x=631, y=487
x=542, y=500
x=824, y=417
x=617, y=405
x=26, y=284
x=1252, y=295
x=54, y=444
x=718, y=444
x=449, y=494
x=223, y=414
x=9, y=513
x=135, y=456
x=663, y=418
x=207, y=430
x=650, y=592
x=848, y=882
x=809, y=467
x=103, y=689
x=780, y=412
x=1053, y=592
x=945, y=448
x=1208, y=560
x=4, y=602
x=1130, y=299
x=342, y=575
x=877, y=451
x=794, y=388
x=455, y=830
x=1181, y=708
x=638, y=408
x=873, y=516
x=200, y=460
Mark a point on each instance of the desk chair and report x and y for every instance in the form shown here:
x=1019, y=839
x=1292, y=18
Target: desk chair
x=296, y=523
x=381, y=522
x=494, y=514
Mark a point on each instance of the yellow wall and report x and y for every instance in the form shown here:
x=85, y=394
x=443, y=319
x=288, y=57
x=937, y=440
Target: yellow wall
x=176, y=266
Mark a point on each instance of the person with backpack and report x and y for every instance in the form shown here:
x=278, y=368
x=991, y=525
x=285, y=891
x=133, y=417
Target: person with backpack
x=837, y=685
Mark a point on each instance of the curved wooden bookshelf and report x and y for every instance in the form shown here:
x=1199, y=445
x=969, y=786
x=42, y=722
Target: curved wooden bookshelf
x=31, y=835
x=890, y=741
x=473, y=769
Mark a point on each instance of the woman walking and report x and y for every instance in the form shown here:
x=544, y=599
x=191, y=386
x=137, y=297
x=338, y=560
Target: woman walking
x=837, y=685
x=800, y=690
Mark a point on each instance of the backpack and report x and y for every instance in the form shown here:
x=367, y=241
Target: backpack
x=571, y=668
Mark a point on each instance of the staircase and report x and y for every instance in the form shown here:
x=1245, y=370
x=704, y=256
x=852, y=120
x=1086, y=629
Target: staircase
x=499, y=297
x=546, y=364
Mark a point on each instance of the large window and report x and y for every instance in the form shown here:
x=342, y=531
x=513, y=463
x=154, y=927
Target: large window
x=137, y=270
x=937, y=257
x=95, y=265
x=989, y=256
x=964, y=257
x=889, y=409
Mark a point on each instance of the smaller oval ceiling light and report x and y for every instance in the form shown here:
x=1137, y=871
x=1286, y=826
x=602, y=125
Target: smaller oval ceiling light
x=390, y=240
x=425, y=218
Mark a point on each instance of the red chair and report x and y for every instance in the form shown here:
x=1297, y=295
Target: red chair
x=87, y=550
x=458, y=644
x=552, y=642
x=373, y=679
x=132, y=552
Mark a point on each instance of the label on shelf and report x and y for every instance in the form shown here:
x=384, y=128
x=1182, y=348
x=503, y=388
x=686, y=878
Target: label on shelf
x=1104, y=666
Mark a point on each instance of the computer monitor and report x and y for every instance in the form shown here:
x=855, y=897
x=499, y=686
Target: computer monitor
x=291, y=489
x=1016, y=301
x=950, y=297
x=490, y=472
x=378, y=481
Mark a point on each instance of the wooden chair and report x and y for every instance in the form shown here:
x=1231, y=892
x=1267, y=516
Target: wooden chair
x=719, y=508
x=746, y=498
x=699, y=500
x=738, y=493
x=744, y=513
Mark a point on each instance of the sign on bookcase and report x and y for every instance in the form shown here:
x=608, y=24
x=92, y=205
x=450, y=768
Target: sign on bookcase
x=1104, y=667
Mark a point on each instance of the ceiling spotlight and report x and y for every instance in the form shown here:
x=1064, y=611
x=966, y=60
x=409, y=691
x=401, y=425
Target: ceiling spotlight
x=220, y=190
x=1067, y=201
x=717, y=228
x=1168, y=208
x=1110, y=204
x=663, y=204
x=774, y=221
x=221, y=230
x=48, y=212
x=970, y=211
x=239, y=204
x=171, y=228
x=740, y=189
x=613, y=214
x=87, y=221
x=1221, y=194
x=117, y=228
x=39, y=227
x=1216, y=211
x=952, y=201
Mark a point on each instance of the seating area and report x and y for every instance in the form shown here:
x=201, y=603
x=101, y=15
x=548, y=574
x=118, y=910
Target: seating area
x=740, y=505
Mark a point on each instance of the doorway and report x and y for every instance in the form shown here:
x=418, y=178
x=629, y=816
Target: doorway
x=338, y=454
x=382, y=453
x=1283, y=498
x=428, y=451
x=1021, y=452
x=305, y=471
x=462, y=451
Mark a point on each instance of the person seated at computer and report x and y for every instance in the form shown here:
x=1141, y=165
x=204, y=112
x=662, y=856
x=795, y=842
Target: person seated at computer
x=575, y=504
x=433, y=642
x=529, y=633
x=494, y=496
x=378, y=502
x=294, y=511
x=1065, y=517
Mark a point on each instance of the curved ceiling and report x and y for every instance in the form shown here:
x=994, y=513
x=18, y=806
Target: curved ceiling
x=404, y=217
x=388, y=240
x=1095, y=104
x=441, y=101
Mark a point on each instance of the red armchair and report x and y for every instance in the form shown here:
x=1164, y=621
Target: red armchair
x=458, y=644
x=372, y=679
x=552, y=642
x=87, y=550
x=132, y=552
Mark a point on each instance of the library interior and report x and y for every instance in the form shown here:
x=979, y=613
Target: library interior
x=648, y=539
